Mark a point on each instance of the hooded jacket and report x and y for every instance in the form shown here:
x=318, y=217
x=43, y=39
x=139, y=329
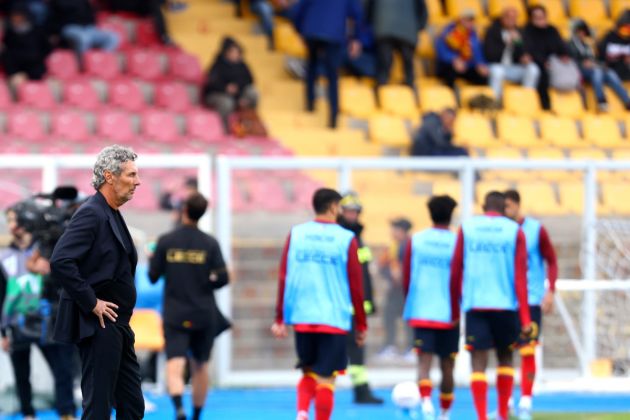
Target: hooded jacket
x=223, y=72
x=398, y=19
x=614, y=48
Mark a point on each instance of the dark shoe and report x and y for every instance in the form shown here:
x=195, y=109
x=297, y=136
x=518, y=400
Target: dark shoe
x=363, y=395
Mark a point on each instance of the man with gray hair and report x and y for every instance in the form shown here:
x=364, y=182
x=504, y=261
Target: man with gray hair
x=95, y=262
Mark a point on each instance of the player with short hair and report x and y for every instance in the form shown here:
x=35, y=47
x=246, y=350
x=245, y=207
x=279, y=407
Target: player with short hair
x=489, y=280
x=539, y=250
x=320, y=283
x=193, y=267
x=426, y=281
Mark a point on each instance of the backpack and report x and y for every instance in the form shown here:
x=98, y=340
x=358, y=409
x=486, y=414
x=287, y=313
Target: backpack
x=563, y=76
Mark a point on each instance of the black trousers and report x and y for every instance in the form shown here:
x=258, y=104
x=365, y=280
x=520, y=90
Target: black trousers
x=543, y=87
x=446, y=72
x=111, y=375
x=385, y=48
x=60, y=361
x=330, y=56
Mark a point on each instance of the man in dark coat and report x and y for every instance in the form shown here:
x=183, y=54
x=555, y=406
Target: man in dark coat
x=435, y=137
x=95, y=262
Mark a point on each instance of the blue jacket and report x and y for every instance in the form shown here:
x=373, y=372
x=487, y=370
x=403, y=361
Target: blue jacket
x=446, y=55
x=90, y=253
x=325, y=20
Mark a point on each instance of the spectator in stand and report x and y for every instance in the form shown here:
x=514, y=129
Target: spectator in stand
x=459, y=52
x=148, y=8
x=323, y=25
x=230, y=84
x=435, y=137
x=396, y=25
x=264, y=10
x=24, y=47
x=614, y=49
x=505, y=52
x=543, y=40
x=75, y=22
x=593, y=71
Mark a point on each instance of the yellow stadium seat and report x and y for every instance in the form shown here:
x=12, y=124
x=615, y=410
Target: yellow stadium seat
x=603, y=131
x=623, y=154
x=592, y=11
x=484, y=187
x=549, y=153
x=473, y=130
x=436, y=98
x=517, y=131
x=539, y=199
x=455, y=7
x=617, y=7
x=521, y=101
x=147, y=326
x=567, y=104
x=588, y=154
x=425, y=48
x=389, y=131
x=357, y=101
x=561, y=132
x=503, y=153
x=555, y=10
x=614, y=197
x=496, y=7
x=436, y=14
x=398, y=100
x=452, y=188
x=466, y=93
x=572, y=197
x=288, y=41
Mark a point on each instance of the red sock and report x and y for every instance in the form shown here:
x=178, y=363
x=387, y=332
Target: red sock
x=305, y=392
x=528, y=371
x=446, y=401
x=505, y=382
x=324, y=401
x=425, y=387
x=479, y=388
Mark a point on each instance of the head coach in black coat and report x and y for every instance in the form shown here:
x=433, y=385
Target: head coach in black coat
x=95, y=262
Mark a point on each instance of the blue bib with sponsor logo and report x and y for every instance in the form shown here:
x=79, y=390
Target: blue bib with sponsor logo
x=489, y=256
x=317, y=289
x=429, y=288
x=535, y=262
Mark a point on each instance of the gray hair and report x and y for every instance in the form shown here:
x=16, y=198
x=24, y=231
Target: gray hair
x=111, y=159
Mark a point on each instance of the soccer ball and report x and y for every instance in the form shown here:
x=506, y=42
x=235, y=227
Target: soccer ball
x=406, y=395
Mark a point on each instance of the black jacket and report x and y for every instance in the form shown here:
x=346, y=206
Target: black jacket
x=30, y=47
x=494, y=45
x=224, y=72
x=70, y=12
x=613, y=50
x=89, y=255
x=368, y=297
x=193, y=267
x=542, y=43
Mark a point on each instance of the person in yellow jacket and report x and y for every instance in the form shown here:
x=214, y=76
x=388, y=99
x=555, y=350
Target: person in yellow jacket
x=351, y=208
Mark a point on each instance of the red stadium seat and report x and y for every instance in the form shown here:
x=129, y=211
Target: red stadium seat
x=145, y=65
x=36, y=95
x=185, y=66
x=81, y=94
x=172, y=96
x=26, y=125
x=146, y=36
x=70, y=125
x=115, y=126
x=102, y=64
x=204, y=125
x=160, y=126
x=127, y=95
x=120, y=29
x=57, y=148
x=63, y=65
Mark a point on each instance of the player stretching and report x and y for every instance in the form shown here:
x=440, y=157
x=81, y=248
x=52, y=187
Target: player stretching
x=539, y=250
x=426, y=279
x=489, y=276
x=320, y=283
